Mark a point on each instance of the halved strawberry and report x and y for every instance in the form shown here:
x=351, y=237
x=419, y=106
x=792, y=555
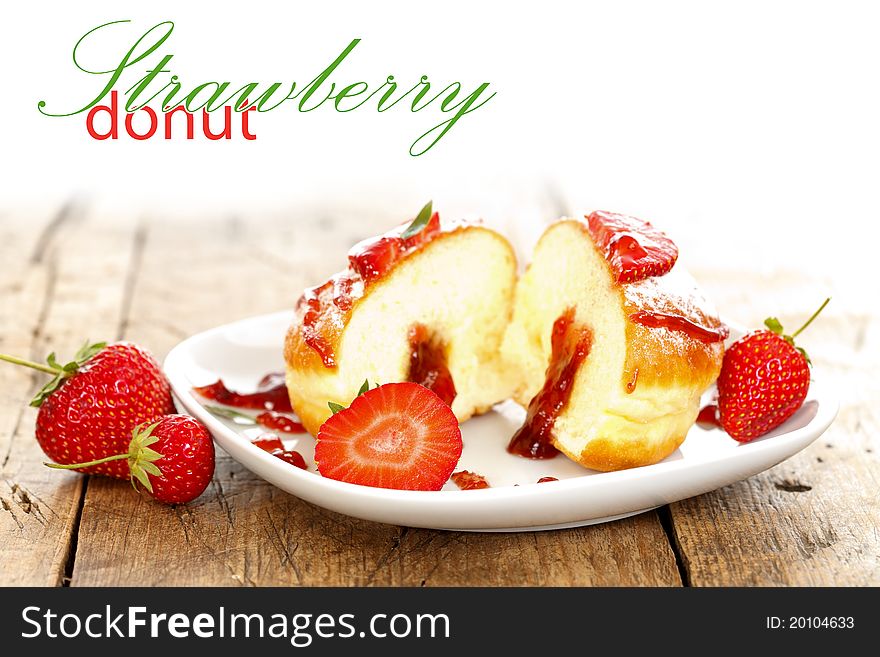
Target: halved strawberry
x=399, y=435
x=634, y=249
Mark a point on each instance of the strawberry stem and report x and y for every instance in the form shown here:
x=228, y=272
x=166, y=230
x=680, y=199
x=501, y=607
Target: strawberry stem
x=810, y=321
x=15, y=360
x=87, y=464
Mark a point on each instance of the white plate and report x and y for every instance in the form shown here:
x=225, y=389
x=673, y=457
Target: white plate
x=242, y=352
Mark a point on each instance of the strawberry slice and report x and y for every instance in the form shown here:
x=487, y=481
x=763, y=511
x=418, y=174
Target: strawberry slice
x=399, y=435
x=633, y=248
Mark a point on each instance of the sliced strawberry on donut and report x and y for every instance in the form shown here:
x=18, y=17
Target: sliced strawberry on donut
x=633, y=248
x=399, y=435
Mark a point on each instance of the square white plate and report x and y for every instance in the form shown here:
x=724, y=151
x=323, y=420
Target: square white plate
x=241, y=353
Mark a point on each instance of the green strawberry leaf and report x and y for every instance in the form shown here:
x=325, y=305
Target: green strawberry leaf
x=335, y=408
x=364, y=387
x=419, y=223
x=149, y=455
x=141, y=457
x=85, y=353
x=137, y=472
x=151, y=468
x=47, y=390
x=774, y=325
x=230, y=414
x=805, y=355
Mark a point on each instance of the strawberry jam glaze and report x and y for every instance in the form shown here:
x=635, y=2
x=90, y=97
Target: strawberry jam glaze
x=427, y=364
x=325, y=307
x=467, y=480
x=271, y=443
x=678, y=323
x=570, y=347
x=271, y=394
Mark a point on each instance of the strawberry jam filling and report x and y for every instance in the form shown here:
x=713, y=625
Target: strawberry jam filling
x=271, y=393
x=570, y=347
x=633, y=248
x=427, y=364
x=544, y=480
x=467, y=480
x=324, y=308
x=678, y=323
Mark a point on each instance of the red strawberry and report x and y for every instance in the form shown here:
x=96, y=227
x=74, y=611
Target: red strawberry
x=764, y=379
x=634, y=249
x=399, y=435
x=89, y=408
x=173, y=458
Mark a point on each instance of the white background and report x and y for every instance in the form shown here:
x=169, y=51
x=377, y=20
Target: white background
x=748, y=129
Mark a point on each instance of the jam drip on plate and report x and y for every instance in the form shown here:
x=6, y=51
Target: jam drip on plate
x=325, y=308
x=708, y=417
x=427, y=364
x=544, y=480
x=279, y=422
x=570, y=347
x=679, y=323
x=467, y=480
x=271, y=394
x=271, y=443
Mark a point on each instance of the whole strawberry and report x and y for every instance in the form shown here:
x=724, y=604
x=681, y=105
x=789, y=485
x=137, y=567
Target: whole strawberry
x=764, y=379
x=172, y=457
x=91, y=405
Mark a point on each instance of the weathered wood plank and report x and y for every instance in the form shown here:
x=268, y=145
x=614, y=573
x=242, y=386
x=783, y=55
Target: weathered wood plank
x=244, y=531
x=815, y=519
x=630, y=552
x=60, y=279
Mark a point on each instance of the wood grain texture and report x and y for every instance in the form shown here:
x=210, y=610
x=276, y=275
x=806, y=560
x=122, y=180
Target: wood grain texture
x=243, y=531
x=79, y=273
x=68, y=279
x=813, y=520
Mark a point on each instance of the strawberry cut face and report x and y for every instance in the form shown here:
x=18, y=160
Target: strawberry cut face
x=399, y=435
x=633, y=248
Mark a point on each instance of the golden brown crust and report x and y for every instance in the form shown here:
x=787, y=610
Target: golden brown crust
x=667, y=357
x=662, y=356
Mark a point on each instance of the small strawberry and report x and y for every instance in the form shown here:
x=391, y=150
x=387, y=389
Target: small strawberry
x=398, y=435
x=633, y=248
x=172, y=457
x=764, y=379
x=93, y=402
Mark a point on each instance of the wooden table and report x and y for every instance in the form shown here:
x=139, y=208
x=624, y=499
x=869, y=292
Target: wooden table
x=78, y=272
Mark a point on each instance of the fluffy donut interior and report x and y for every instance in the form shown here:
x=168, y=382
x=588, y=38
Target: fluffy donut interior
x=568, y=272
x=459, y=286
